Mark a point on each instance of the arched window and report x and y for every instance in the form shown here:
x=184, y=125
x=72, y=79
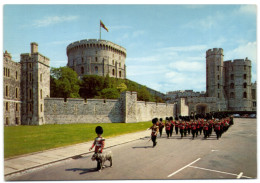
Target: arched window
x=218, y=85
x=231, y=85
x=244, y=95
x=232, y=76
x=96, y=69
x=244, y=76
x=245, y=85
x=232, y=95
x=82, y=70
x=120, y=74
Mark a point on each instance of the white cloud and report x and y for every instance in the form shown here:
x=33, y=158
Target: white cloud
x=185, y=48
x=247, y=9
x=50, y=20
x=242, y=51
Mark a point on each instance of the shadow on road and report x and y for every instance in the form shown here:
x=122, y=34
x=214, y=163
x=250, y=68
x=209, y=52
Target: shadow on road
x=142, y=147
x=83, y=170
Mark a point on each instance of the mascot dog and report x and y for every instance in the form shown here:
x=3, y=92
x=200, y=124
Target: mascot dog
x=101, y=158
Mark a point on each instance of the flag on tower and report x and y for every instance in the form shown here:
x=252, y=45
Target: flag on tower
x=103, y=25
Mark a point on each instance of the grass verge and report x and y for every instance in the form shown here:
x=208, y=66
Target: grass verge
x=20, y=140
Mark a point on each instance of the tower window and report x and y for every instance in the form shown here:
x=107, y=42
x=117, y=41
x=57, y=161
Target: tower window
x=245, y=85
x=7, y=91
x=244, y=76
x=120, y=74
x=232, y=95
x=218, y=85
x=218, y=77
x=96, y=69
x=7, y=106
x=113, y=72
x=232, y=76
x=232, y=85
x=82, y=70
x=244, y=95
x=41, y=93
x=218, y=68
x=16, y=75
x=16, y=107
x=244, y=67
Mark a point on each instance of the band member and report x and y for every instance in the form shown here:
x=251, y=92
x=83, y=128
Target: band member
x=161, y=126
x=217, y=129
x=182, y=127
x=167, y=127
x=189, y=126
x=172, y=125
x=197, y=127
x=99, y=144
x=206, y=129
x=176, y=124
x=193, y=129
x=155, y=130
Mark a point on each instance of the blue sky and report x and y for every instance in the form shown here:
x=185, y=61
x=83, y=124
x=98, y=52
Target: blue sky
x=166, y=44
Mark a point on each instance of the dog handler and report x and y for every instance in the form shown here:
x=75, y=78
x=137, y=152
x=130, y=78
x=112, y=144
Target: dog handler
x=99, y=143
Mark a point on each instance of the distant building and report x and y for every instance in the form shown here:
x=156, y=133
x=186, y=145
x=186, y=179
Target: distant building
x=228, y=87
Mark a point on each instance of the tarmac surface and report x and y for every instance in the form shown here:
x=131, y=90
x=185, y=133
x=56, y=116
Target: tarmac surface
x=233, y=156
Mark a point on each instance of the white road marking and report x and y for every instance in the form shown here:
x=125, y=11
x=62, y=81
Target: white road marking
x=240, y=175
x=221, y=172
x=183, y=167
x=214, y=150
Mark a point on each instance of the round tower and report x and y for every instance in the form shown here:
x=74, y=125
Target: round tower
x=214, y=73
x=97, y=57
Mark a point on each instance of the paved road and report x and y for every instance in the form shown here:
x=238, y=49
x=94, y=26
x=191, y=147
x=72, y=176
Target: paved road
x=231, y=157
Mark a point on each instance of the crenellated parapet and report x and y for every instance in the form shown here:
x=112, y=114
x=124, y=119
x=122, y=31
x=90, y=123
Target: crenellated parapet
x=97, y=43
x=214, y=51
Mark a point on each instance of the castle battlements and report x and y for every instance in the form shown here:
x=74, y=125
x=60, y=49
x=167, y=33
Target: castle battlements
x=215, y=51
x=103, y=44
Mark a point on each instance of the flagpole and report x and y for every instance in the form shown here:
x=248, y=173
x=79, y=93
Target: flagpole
x=99, y=31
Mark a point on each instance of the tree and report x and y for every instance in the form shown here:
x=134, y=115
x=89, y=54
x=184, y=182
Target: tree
x=110, y=93
x=64, y=83
x=91, y=86
x=143, y=94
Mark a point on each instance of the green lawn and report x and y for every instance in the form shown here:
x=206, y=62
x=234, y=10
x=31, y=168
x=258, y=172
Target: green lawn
x=20, y=140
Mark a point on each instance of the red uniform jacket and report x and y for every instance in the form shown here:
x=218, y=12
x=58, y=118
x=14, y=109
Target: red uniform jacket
x=99, y=144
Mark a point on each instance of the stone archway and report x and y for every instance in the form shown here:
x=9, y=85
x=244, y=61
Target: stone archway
x=201, y=108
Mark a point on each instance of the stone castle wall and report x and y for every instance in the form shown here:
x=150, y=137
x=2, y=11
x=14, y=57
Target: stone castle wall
x=125, y=109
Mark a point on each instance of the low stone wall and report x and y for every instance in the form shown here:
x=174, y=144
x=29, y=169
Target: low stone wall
x=126, y=109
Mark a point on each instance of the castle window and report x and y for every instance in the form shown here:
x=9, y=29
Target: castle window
x=244, y=67
x=41, y=107
x=82, y=70
x=120, y=74
x=218, y=95
x=7, y=91
x=40, y=77
x=7, y=121
x=30, y=76
x=244, y=95
x=113, y=62
x=16, y=75
x=245, y=85
x=16, y=107
x=254, y=104
x=7, y=106
x=218, y=77
x=113, y=72
x=232, y=76
x=244, y=76
x=17, y=121
x=232, y=85
x=82, y=60
x=16, y=92
x=30, y=93
x=218, y=85
x=4, y=71
x=96, y=59
x=218, y=68
x=96, y=69
x=41, y=93
x=232, y=95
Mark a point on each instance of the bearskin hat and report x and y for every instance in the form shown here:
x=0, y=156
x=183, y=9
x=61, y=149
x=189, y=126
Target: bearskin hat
x=154, y=120
x=99, y=130
x=160, y=119
x=171, y=118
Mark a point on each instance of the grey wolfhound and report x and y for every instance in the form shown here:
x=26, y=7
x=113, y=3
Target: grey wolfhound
x=101, y=158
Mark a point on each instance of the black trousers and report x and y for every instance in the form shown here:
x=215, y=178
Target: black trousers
x=168, y=133
x=154, y=140
x=160, y=130
x=176, y=130
x=206, y=133
x=193, y=133
x=181, y=131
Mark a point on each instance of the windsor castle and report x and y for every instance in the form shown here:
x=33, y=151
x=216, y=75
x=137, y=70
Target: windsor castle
x=27, y=98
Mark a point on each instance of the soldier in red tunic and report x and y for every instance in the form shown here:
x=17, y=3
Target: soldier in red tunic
x=161, y=126
x=99, y=144
x=182, y=128
x=155, y=130
x=172, y=125
x=193, y=129
x=206, y=129
x=167, y=126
